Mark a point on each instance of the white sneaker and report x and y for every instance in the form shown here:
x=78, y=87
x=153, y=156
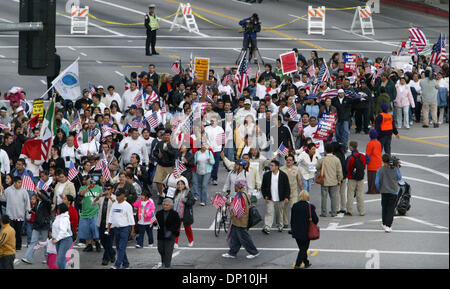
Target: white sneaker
x=175, y=246
x=25, y=260
x=81, y=245
x=253, y=256
x=226, y=255
x=44, y=262
x=191, y=244
x=138, y=246
x=388, y=229
x=202, y=204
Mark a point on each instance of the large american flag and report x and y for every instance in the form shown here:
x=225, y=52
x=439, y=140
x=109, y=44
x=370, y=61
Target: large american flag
x=219, y=201
x=27, y=183
x=329, y=93
x=153, y=120
x=73, y=172
x=417, y=38
x=238, y=205
x=439, y=51
x=241, y=76
x=179, y=168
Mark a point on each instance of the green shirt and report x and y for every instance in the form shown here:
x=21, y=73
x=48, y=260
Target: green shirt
x=87, y=209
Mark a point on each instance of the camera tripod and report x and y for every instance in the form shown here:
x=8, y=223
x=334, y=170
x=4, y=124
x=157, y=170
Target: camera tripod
x=249, y=48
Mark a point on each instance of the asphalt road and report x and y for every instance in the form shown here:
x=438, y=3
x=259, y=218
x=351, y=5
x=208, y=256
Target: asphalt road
x=419, y=240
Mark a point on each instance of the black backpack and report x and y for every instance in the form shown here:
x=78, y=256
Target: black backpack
x=358, y=168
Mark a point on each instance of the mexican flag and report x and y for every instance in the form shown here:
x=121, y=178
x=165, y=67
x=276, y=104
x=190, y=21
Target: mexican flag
x=48, y=128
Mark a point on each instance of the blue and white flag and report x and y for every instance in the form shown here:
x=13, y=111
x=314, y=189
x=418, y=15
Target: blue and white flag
x=68, y=82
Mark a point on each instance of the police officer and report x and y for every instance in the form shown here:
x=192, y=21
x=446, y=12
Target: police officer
x=152, y=24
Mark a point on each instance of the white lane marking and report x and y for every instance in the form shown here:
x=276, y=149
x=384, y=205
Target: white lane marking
x=44, y=82
x=71, y=48
x=411, y=165
x=17, y=1
x=142, y=13
x=363, y=36
x=159, y=263
x=295, y=16
x=245, y=3
x=271, y=59
x=425, y=181
x=98, y=61
x=118, y=73
x=430, y=200
x=6, y=20
x=422, y=222
x=99, y=27
x=324, y=250
x=422, y=155
x=84, y=54
x=349, y=225
x=2, y=56
x=332, y=226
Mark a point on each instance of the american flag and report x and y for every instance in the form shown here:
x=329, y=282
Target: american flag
x=73, y=172
x=3, y=126
x=226, y=79
x=188, y=124
x=324, y=74
x=152, y=98
x=76, y=123
x=176, y=67
x=138, y=122
x=45, y=148
x=27, y=183
x=42, y=185
x=220, y=138
x=439, y=51
x=163, y=106
x=282, y=150
x=311, y=70
x=242, y=77
x=153, y=219
x=92, y=89
x=219, y=201
x=179, y=168
x=413, y=48
x=138, y=99
x=238, y=205
x=292, y=110
x=153, y=120
x=417, y=38
x=207, y=91
x=329, y=93
x=102, y=164
x=352, y=94
x=106, y=128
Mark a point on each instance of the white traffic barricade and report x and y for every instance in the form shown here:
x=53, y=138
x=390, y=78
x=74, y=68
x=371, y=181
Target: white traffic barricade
x=79, y=20
x=316, y=20
x=364, y=16
x=185, y=16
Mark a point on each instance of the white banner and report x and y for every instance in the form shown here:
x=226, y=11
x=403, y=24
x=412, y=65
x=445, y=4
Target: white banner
x=402, y=62
x=68, y=82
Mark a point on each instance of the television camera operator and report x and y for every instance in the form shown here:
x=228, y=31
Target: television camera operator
x=251, y=26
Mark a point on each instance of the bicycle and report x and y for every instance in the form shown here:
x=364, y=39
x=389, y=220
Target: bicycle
x=222, y=217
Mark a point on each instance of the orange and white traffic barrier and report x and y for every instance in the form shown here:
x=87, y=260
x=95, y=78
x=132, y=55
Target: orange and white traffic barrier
x=316, y=20
x=79, y=20
x=184, y=16
x=364, y=16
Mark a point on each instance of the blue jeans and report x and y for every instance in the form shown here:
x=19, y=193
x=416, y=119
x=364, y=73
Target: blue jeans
x=62, y=246
x=216, y=166
x=195, y=185
x=307, y=184
x=385, y=141
x=240, y=237
x=142, y=230
x=35, y=236
x=29, y=229
x=342, y=132
x=121, y=236
x=202, y=186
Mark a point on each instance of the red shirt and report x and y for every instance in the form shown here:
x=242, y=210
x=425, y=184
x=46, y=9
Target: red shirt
x=73, y=214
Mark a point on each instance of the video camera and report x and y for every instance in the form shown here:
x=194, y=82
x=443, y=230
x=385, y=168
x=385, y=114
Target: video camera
x=252, y=26
x=394, y=162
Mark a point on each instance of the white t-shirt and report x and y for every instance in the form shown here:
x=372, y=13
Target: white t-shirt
x=60, y=190
x=274, y=187
x=213, y=133
x=121, y=215
x=202, y=159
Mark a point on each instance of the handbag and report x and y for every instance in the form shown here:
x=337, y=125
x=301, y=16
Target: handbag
x=313, y=230
x=254, y=217
x=319, y=179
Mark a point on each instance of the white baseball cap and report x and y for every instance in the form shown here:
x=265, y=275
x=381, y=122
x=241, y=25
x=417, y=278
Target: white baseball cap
x=341, y=91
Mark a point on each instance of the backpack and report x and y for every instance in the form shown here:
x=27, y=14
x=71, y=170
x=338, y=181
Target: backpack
x=358, y=168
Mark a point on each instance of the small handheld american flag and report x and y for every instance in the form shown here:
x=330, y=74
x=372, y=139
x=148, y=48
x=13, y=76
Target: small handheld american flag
x=176, y=67
x=152, y=98
x=153, y=219
x=27, y=183
x=73, y=172
x=220, y=139
x=282, y=150
x=238, y=206
x=42, y=186
x=76, y=122
x=179, y=168
x=92, y=89
x=219, y=201
x=292, y=110
x=153, y=120
x=105, y=170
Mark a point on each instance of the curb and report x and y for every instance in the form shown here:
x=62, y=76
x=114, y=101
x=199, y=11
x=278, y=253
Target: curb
x=417, y=7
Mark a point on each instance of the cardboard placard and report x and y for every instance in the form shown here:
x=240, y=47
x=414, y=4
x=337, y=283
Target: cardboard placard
x=201, y=65
x=38, y=108
x=325, y=126
x=288, y=62
x=350, y=62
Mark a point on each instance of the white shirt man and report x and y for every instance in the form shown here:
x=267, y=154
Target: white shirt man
x=68, y=153
x=128, y=96
x=133, y=144
x=213, y=133
x=121, y=215
x=309, y=131
x=274, y=186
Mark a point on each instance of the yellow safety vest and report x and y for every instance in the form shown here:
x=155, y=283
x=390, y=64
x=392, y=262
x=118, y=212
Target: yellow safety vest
x=154, y=22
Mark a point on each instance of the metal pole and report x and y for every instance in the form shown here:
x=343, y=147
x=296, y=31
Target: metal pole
x=23, y=26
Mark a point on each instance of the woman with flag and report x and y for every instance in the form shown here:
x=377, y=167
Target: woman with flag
x=238, y=233
x=183, y=202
